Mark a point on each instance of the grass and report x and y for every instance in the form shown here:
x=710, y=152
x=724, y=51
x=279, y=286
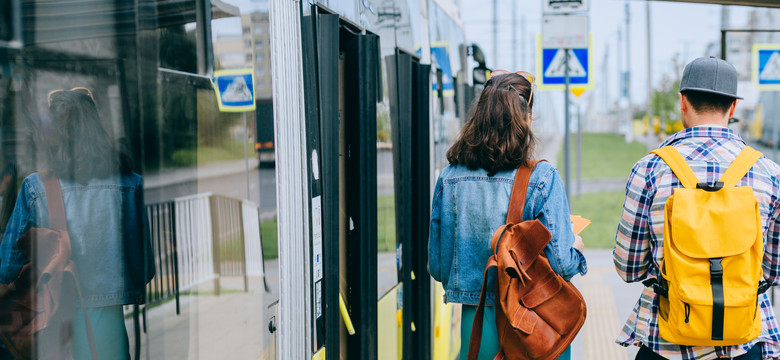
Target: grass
x=385, y=229
x=604, y=155
x=603, y=209
x=230, y=150
x=386, y=223
x=269, y=236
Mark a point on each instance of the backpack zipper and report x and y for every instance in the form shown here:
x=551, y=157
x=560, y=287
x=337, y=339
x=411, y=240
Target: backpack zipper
x=687, y=312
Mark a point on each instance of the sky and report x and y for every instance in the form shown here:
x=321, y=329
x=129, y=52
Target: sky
x=677, y=29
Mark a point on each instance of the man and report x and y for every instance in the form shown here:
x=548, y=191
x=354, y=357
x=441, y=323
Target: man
x=708, y=98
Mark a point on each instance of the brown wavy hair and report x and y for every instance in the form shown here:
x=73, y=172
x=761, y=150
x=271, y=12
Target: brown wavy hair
x=497, y=135
x=75, y=146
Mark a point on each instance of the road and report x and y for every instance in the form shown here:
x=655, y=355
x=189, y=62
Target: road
x=262, y=188
x=262, y=184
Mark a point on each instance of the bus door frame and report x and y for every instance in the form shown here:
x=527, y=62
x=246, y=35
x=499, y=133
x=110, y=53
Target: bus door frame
x=324, y=36
x=410, y=116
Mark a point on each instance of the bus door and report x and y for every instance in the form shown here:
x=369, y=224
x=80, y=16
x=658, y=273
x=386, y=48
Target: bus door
x=409, y=86
x=340, y=75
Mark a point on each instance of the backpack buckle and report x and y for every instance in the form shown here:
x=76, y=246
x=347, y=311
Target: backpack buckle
x=706, y=187
x=716, y=267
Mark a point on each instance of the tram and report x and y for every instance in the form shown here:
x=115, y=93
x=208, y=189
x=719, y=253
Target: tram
x=322, y=255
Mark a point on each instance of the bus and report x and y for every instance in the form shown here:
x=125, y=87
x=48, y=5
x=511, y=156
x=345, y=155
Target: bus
x=322, y=255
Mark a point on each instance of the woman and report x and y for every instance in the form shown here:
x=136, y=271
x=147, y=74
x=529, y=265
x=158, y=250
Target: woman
x=472, y=195
x=105, y=216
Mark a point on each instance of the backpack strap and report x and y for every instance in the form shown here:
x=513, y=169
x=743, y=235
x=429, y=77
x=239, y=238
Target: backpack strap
x=54, y=203
x=57, y=222
x=519, y=190
x=476, y=326
x=740, y=166
x=679, y=167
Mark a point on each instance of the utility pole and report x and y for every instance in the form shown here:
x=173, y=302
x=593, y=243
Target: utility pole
x=651, y=142
x=523, y=48
x=628, y=56
x=605, y=74
x=566, y=120
x=724, y=25
x=495, y=34
x=621, y=81
x=514, y=35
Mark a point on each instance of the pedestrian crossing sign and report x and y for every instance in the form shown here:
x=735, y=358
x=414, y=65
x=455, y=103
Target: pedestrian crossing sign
x=235, y=90
x=551, y=69
x=766, y=66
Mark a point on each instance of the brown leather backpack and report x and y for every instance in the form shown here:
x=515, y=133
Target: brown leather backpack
x=37, y=309
x=538, y=314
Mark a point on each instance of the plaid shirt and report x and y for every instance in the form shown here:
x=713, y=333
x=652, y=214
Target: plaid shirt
x=638, y=253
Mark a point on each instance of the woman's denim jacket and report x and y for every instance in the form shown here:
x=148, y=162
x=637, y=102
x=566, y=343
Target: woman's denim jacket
x=109, y=236
x=469, y=205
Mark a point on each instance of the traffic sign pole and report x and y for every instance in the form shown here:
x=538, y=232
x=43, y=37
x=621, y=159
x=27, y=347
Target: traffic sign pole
x=565, y=33
x=567, y=139
x=246, y=155
x=579, y=152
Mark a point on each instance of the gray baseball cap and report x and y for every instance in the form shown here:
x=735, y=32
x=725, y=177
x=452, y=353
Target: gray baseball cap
x=710, y=75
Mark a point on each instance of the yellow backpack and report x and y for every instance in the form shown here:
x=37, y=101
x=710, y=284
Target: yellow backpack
x=713, y=249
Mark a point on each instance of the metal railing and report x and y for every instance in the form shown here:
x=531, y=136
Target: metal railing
x=201, y=238
x=162, y=225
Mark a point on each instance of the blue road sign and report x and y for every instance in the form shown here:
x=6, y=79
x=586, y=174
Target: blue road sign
x=235, y=90
x=439, y=52
x=766, y=66
x=552, y=73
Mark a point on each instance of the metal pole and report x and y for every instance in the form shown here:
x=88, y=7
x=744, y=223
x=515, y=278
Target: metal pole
x=724, y=24
x=246, y=154
x=566, y=138
x=621, y=113
x=579, y=152
x=650, y=141
x=525, y=64
x=495, y=34
x=628, y=57
x=514, y=35
x=776, y=127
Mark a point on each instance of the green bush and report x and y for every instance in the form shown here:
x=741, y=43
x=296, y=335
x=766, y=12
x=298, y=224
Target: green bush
x=184, y=157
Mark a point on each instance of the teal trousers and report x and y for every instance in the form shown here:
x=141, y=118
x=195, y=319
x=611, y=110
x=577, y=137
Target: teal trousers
x=489, y=345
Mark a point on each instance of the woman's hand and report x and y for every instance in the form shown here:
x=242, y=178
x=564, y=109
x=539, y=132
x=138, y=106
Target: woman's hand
x=578, y=244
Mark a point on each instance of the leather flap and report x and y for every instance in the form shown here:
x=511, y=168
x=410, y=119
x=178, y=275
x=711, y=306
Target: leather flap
x=542, y=291
x=532, y=239
x=524, y=320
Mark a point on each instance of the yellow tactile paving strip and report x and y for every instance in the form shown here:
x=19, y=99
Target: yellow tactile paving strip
x=602, y=324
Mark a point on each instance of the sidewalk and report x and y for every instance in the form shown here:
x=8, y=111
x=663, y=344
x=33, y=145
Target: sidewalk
x=206, y=171
x=610, y=302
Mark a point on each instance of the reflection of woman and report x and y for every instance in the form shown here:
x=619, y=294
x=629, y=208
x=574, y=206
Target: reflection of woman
x=8, y=190
x=105, y=214
x=472, y=196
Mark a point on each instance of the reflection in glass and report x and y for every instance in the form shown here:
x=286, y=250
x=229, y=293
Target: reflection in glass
x=109, y=241
x=210, y=210
x=387, y=274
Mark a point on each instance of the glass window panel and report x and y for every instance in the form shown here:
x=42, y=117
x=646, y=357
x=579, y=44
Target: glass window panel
x=169, y=181
x=387, y=275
